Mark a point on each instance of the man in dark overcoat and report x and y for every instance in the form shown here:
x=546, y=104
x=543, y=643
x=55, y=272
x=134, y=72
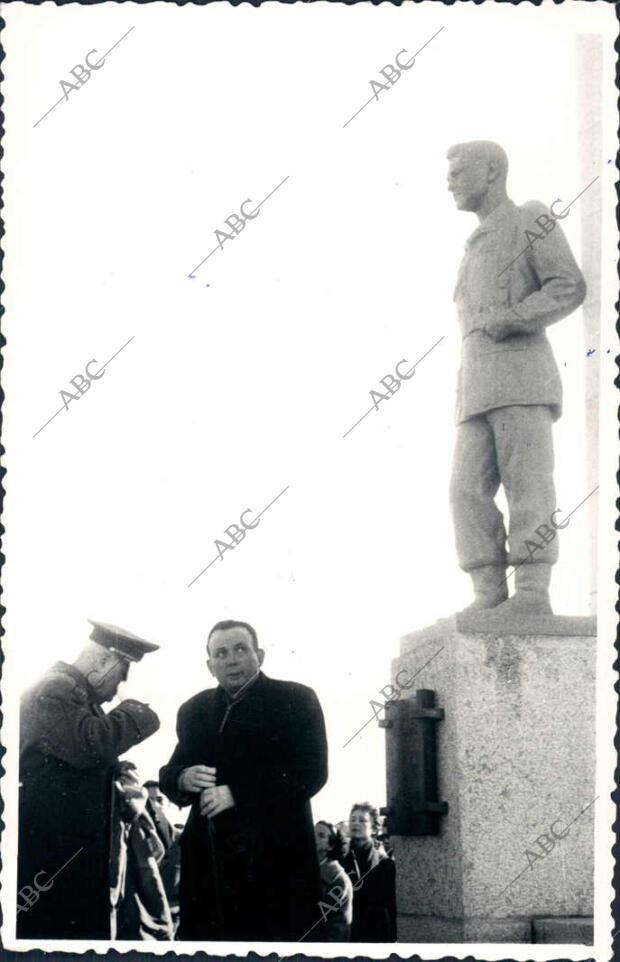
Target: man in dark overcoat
x=69, y=749
x=251, y=753
x=518, y=276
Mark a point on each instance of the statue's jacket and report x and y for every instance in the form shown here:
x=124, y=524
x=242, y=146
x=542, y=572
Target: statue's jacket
x=518, y=272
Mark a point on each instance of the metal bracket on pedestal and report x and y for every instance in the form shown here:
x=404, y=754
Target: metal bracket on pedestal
x=411, y=757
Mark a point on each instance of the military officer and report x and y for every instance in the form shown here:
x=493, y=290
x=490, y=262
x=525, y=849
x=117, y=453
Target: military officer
x=517, y=277
x=69, y=750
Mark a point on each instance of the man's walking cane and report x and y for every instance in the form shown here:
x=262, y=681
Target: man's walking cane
x=216, y=880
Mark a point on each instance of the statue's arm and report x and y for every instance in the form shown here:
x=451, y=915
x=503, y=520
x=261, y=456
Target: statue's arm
x=561, y=285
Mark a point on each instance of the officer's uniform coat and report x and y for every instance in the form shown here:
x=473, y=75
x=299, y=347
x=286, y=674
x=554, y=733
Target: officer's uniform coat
x=251, y=873
x=69, y=750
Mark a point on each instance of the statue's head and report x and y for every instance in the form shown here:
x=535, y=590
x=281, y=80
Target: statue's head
x=477, y=173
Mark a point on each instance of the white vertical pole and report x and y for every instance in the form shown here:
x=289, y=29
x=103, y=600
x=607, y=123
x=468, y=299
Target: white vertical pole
x=589, y=56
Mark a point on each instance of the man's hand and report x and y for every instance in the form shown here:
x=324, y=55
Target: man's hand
x=195, y=778
x=216, y=800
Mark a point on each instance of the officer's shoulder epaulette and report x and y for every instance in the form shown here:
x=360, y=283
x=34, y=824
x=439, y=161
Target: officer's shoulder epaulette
x=57, y=684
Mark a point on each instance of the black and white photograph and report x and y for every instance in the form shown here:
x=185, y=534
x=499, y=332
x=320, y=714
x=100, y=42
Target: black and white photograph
x=310, y=433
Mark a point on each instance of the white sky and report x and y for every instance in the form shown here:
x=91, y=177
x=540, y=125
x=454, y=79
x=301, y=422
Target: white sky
x=230, y=392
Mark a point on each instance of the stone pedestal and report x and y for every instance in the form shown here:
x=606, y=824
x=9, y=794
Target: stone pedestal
x=516, y=756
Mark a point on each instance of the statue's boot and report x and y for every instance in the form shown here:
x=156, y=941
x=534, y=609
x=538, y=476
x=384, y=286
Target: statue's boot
x=490, y=588
x=532, y=591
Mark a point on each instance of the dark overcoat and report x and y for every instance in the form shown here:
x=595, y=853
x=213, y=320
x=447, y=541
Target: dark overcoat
x=251, y=873
x=374, y=895
x=69, y=750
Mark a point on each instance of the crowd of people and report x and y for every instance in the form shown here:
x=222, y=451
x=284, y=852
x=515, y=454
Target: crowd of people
x=98, y=858
x=358, y=899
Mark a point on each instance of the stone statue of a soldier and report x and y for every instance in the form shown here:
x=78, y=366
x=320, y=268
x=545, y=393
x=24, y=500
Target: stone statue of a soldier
x=517, y=277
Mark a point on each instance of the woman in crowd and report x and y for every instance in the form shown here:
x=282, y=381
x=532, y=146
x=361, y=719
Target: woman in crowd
x=336, y=888
x=343, y=828
x=373, y=876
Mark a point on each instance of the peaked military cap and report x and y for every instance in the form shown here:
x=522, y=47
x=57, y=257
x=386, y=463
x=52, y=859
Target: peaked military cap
x=122, y=642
